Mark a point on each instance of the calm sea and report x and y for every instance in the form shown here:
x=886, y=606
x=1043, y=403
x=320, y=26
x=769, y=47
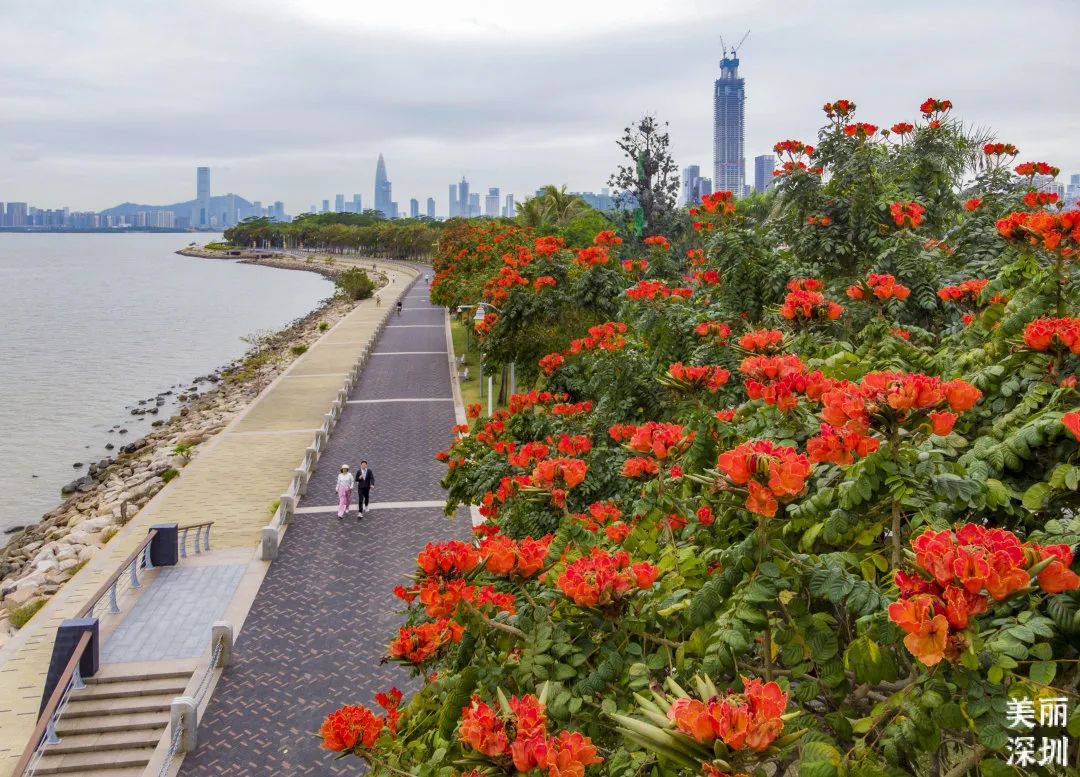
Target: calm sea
x=90, y=324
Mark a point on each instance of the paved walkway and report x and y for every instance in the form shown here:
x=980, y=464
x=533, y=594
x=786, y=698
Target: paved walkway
x=321, y=621
x=232, y=481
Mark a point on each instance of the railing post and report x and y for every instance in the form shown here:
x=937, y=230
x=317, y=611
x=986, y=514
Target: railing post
x=287, y=505
x=222, y=632
x=206, y=539
x=183, y=541
x=269, y=544
x=114, y=606
x=134, y=572
x=184, y=715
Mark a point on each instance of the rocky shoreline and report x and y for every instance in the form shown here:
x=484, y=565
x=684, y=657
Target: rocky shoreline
x=39, y=559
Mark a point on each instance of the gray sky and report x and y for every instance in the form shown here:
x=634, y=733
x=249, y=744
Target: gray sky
x=104, y=101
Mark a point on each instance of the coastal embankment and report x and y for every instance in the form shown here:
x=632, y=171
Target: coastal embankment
x=38, y=560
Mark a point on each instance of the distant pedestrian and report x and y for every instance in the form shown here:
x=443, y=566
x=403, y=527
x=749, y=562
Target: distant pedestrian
x=345, y=483
x=365, y=481
x=378, y=300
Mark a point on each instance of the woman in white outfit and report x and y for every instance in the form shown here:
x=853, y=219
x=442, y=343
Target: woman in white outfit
x=345, y=483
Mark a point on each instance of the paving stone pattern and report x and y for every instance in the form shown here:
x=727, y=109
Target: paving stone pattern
x=172, y=619
x=321, y=621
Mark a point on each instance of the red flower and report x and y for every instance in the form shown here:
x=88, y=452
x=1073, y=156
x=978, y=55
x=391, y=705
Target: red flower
x=659, y=241
x=551, y=362
x=482, y=730
x=943, y=422
x=569, y=753
x=417, y=644
x=762, y=340
x=769, y=471
x=602, y=578
x=1043, y=333
x=703, y=377
x=909, y=214
x=750, y=720
x=352, y=725
x=607, y=238
x=1071, y=421
x=972, y=204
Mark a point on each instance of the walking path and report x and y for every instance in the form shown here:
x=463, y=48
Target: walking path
x=232, y=481
x=320, y=623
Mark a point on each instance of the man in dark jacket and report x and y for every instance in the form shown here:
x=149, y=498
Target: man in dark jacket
x=365, y=481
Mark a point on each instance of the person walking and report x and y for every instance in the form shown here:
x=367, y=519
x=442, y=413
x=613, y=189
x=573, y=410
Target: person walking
x=365, y=481
x=344, y=487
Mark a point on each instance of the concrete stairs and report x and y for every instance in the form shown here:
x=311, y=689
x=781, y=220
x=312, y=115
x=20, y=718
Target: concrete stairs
x=110, y=728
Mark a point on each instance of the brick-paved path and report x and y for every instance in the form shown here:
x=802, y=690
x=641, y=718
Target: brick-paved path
x=325, y=612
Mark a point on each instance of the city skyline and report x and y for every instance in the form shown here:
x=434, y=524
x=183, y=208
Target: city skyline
x=65, y=134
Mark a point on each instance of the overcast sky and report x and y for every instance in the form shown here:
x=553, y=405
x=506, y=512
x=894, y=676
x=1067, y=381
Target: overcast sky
x=104, y=101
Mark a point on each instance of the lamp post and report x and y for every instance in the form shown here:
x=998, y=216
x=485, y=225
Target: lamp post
x=478, y=318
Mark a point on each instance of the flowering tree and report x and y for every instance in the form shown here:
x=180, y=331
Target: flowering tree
x=819, y=524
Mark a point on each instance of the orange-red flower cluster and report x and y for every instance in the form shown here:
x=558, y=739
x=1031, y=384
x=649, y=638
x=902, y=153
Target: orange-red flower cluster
x=1071, y=421
x=892, y=395
x=821, y=221
x=907, y=214
x=714, y=209
x=972, y=204
x=545, y=281
x=592, y=256
x=751, y=719
x=860, y=129
x=708, y=377
x=1045, y=333
x=551, y=362
x=450, y=559
x=717, y=330
x=654, y=289
x=603, y=578
x=658, y=241
x=504, y=556
x=634, y=266
x=840, y=446
x=793, y=148
x=564, y=755
x=762, y=341
x=550, y=472
x=354, y=726
x=959, y=574
x=883, y=287
x=1037, y=168
x=839, y=109
x=779, y=380
x=1036, y=199
x=932, y=106
x=805, y=301
x=970, y=289
x=1000, y=149
x=902, y=128
x=572, y=408
x=604, y=337
x=607, y=238
x=546, y=246
x=417, y=644
x=707, y=277
x=1057, y=232
x=771, y=473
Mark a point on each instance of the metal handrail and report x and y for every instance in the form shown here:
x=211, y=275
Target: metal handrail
x=202, y=537
x=45, y=719
x=103, y=589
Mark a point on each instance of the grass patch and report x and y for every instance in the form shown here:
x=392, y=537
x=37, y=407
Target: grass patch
x=20, y=616
x=274, y=506
x=75, y=569
x=470, y=389
x=299, y=350
x=323, y=326
x=249, y=368
x=219, y=247
x=107, y=535
x=169, y=474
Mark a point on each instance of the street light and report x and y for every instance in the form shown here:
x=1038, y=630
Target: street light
x=478, y=318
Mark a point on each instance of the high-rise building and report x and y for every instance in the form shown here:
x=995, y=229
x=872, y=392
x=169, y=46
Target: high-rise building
x=202, y=196
x=325, y=206
x=729, y=128
x=454, y=209
x=474, y=205
x=339, y=203
x=464, y=201
x=312, y=209
x=491, y=202
x=17, y=213
x=763, y=171
x=508, y=209
x=431, y=207
x=1046, y=183
x=357, y=204
x=277, y=211
x=383, y=200
x=688, y=192
x=414, y=208
x=1072, y=191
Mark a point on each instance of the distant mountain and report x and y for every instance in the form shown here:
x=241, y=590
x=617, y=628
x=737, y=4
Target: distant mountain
x=219, y=204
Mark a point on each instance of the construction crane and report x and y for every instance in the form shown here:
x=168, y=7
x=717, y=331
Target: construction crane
x=736, y=47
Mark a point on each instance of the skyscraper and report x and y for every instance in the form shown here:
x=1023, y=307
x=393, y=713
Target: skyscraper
x=729, y=128
x=202, y=196
x=414, y=208
x=463, y=198
x=688, y=193
x=491, y=202
x=508, y=209
x=431, y=207
x=454, y=208
x=763, y=171
x=357, y=204
x=339, y=203
x=474, y=205
x=325, y=206
x=383, y=200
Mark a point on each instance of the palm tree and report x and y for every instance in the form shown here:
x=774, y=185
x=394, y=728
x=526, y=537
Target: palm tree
x=552, y=207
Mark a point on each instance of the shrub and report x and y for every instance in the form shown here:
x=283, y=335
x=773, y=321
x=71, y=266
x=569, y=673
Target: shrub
x=20, y=616
x=169, y=474
x=323, y=326
x=798, y=494
x=355, y=283
x=298, y=349
x=274, y=506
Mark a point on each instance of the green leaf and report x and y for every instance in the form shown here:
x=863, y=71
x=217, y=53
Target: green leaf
x=1043, y=672
x=995, y=675
x=1036, y=496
